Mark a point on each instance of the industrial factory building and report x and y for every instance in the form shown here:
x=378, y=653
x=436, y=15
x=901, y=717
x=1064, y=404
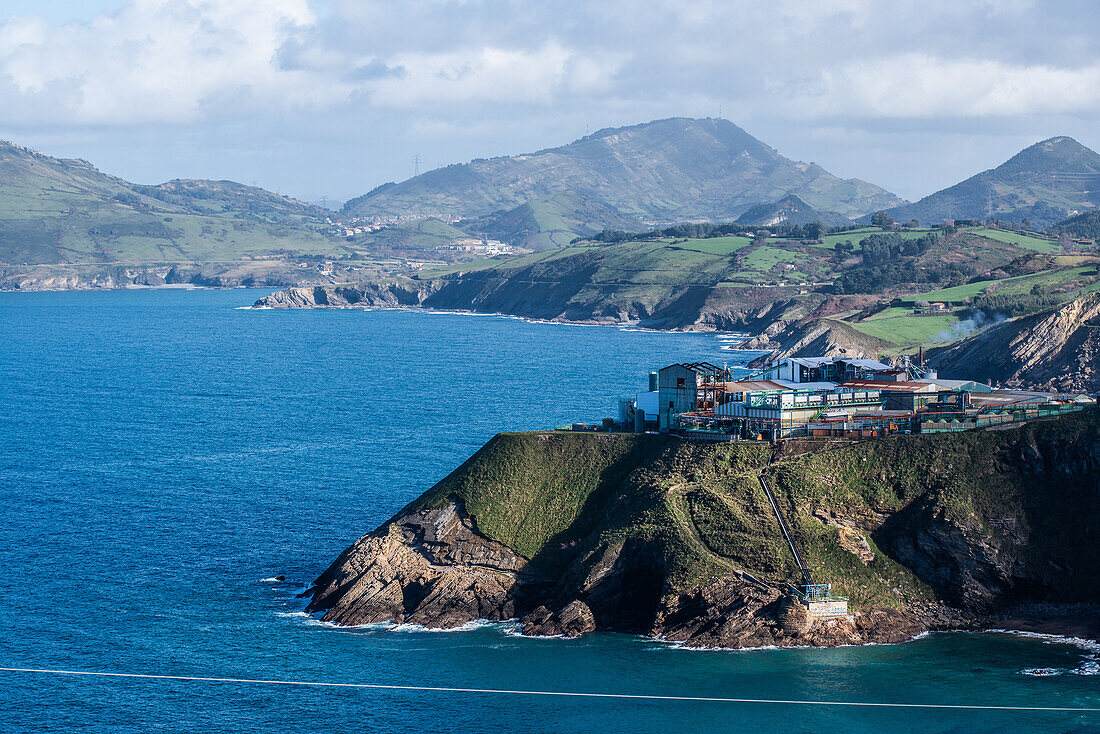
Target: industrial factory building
x=823, y=396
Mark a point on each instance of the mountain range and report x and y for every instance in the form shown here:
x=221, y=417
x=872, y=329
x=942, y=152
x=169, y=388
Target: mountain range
x=65, y=211
x=635, y=177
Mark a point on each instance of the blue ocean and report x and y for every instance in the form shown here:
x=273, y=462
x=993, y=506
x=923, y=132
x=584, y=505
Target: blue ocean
x=166, y=455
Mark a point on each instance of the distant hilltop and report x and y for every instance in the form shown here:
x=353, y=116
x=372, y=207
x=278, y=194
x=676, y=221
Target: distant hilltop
x=1042, y=184
x=665, y=171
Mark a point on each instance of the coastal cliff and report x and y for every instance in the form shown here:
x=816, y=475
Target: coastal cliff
x=655, y=535
x=533, y=294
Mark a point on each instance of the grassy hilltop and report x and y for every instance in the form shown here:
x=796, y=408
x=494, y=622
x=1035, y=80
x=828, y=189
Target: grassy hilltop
x=977, y=520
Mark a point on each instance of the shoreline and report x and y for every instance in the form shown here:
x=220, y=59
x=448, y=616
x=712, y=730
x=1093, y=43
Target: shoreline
x=1080, y=629
x=1075, y=621
x=624, y=325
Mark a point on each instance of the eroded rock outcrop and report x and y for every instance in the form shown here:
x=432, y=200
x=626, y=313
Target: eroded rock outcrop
x=434, y=569
x=821, y=337
x=431, y=568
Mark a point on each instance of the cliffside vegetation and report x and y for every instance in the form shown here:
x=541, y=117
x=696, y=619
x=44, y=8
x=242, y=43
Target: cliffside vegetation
x=977, y=519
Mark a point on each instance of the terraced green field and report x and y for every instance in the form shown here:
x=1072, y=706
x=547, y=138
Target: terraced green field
x=1028, y=242
x=766, y=257
x=910, y=330
x=715, y=245
x=1017, y=285
x=957, y=294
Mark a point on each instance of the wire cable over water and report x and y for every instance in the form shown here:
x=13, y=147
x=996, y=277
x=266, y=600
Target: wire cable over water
x=562, y=694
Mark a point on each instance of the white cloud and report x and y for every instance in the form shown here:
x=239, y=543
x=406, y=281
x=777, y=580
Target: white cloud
x=489, y=74
x=161, y=60
x=923, y=86
x=379, y=80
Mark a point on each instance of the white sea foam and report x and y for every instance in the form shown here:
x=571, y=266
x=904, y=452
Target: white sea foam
x=467, y=627
x=1089, y=666
x=670, y=644
x=1042, y=672
x=408, y=628
x=1088, y=645
x=620, y=325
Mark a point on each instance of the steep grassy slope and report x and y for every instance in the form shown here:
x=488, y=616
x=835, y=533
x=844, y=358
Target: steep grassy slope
x=664, y=171
x=1042, y=183
x=66, y=211
x=566, y=498
x=974, y=521
x=980, y=516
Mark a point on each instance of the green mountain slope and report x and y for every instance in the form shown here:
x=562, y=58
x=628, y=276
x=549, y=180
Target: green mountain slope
x=1042, y=183
x=66, y=211
x=1082, y=225
x=658, y=172
x=731, y=282
x=420, y=234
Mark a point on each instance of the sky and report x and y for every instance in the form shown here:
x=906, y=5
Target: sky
x=330, y=98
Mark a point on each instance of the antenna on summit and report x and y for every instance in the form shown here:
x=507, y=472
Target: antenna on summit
x=416, y=165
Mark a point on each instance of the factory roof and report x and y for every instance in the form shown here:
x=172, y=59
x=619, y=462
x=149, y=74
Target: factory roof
x=757, y=386
x=888, y=386
x=811, y=361
x=1005, y=397
x=951, y=384
x=868, y=364
x=806, y=385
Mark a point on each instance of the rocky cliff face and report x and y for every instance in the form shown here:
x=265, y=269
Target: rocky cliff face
x=574, y=300
x=395, y=294
x=1057, y=349
x=432, y=568
x=570, y=533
